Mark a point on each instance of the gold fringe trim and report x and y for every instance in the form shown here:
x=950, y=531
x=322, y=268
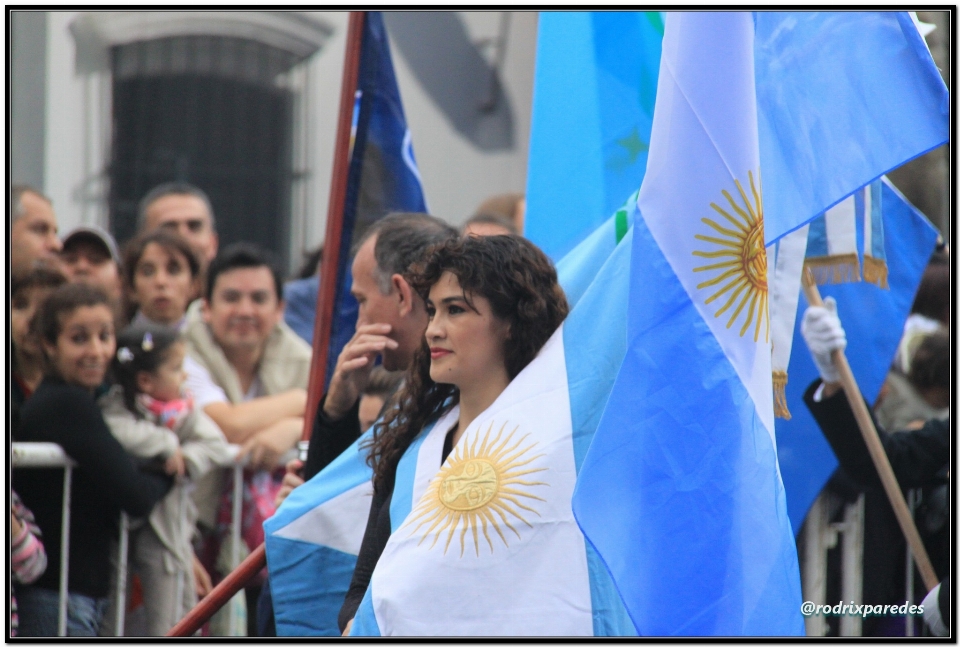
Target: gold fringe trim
x=875, y=271
x=780, y=409
x=842, y=268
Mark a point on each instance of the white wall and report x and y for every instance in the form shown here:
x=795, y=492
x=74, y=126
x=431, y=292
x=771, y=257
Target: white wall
x=77, y=146
x=457, y=175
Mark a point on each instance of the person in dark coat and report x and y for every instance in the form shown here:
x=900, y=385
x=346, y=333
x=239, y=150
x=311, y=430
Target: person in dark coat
x=919, y=458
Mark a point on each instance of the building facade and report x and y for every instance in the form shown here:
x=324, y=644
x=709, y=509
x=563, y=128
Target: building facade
x=107, y=104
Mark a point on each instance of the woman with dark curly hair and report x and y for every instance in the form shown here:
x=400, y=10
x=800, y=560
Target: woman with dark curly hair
x=493, y=303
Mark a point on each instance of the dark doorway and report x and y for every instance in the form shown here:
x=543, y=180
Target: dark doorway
x=205, y=110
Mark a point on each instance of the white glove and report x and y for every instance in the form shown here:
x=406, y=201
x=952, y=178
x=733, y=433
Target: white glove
x=823, y=333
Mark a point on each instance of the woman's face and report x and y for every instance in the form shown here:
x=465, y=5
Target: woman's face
x=162, y=284
x=466, y=339
x=85, y=346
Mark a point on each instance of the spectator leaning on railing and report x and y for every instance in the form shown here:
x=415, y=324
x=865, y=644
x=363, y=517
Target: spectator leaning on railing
x=76, y=328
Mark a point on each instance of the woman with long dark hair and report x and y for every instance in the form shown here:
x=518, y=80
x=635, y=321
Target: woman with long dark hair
x=75, y=326
x=493, y=303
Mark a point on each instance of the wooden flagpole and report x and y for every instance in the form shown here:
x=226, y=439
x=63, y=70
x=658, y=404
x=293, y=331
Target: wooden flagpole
x=327, y=297
x=875, y=447
x=323, y=323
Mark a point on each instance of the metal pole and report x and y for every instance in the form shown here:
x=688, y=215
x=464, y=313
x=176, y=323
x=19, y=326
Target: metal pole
x=64, y=551
x=235, y=535
x=122, y=573
x=815, y=562
x=911, y=503
x=181, y=573
x=851, y=586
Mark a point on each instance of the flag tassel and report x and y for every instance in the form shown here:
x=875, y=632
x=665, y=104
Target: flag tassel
x=780, y=409
x=875, y=271
x=834, y=269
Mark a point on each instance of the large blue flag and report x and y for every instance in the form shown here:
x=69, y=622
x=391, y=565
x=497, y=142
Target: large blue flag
x=593, y=97
x=843, y=98
x=313, y=539
x=681, y=491
x=383, y=175
x=806, y=460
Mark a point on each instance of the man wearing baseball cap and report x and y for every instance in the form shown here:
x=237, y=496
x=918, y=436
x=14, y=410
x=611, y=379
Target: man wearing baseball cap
x=90, y=256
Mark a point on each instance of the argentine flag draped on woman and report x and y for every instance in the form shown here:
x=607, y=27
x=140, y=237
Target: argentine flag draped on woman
x=487, y=545
x=553, y=408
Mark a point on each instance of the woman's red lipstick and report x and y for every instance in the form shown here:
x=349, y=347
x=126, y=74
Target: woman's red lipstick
x=437, y=353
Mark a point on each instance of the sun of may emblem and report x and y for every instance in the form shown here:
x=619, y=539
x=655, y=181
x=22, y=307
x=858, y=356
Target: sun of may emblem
x=741, y=261
x=479, y=488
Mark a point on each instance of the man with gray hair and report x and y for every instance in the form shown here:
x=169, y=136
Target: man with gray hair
x=33, y=231
x=391, y=323
x=185, y=210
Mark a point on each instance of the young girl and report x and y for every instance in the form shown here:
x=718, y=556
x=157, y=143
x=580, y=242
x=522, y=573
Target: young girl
x=75, y=327
x=149, y=413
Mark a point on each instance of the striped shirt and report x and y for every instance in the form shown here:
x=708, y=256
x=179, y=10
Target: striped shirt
x=27, y=556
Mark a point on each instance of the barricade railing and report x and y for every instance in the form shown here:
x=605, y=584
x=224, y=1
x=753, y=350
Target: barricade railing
x=47, y=455
x=822, y=534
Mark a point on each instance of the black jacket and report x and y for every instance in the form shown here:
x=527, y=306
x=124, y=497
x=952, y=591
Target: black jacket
x=920, y=459
x=105, y=481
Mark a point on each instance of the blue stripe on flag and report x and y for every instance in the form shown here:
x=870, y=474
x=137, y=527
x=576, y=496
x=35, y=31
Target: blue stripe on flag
x=877, y=249
x=682, y=466
x=842, y=97
x=305, y=609
x=594, y=91
x=401, y=502
x=365, y=620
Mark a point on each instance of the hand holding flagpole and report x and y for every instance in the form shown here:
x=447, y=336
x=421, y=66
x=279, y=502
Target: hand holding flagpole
x=875, y=447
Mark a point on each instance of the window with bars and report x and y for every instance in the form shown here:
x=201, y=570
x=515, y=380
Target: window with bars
x=206, y=110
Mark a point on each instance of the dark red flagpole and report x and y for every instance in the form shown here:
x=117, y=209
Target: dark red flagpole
x=323, y=324
x=327, y=297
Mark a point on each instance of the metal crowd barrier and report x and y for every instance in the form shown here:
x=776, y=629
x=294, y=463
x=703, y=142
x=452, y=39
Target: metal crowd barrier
x=820, y=535
x=45, y=455
x=37, y=455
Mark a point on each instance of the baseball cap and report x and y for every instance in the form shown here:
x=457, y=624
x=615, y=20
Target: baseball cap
x=92, y=232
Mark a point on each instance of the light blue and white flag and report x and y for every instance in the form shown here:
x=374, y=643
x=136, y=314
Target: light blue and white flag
x=312, y=542
x=313, y=539
x=838, y=236
x=680, y=492
x=850, y=94
x=493, y=529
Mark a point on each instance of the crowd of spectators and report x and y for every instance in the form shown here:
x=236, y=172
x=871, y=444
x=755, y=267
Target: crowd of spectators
x=145, y=363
